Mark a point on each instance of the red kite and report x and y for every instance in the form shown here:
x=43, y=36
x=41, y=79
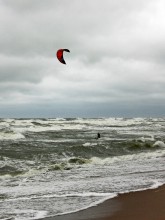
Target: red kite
x=60, y=55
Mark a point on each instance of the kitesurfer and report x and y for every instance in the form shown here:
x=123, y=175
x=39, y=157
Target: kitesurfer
x=98, y=136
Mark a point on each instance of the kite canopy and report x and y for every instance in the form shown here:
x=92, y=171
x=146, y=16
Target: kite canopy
x=60, y=55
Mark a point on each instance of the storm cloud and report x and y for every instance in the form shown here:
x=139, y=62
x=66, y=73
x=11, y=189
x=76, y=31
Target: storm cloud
x=115, y=68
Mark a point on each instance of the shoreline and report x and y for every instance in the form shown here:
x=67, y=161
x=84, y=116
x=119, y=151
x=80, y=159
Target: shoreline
x=144, y=205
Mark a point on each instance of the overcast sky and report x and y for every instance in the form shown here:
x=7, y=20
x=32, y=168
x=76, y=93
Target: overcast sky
x=116, y=64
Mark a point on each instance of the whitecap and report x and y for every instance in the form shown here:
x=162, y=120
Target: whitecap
x=159, y=144
x=139, y=157
x=11, y=135
x=89, y=144
x=144, y=139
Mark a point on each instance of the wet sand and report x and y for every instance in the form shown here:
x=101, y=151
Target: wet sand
x=143, y=205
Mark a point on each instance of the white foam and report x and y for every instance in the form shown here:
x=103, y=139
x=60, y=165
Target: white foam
x=156, y=184
x=112, y=121
x=144, y=139
x=74, y=124
x=29, y=214
x=112, y=195
x=89, y=144
x=159, y=144
x=41, y=214
x=58, y=119
x=36, y=129
x=11, y=135
x=139, y=157
x=85, y=194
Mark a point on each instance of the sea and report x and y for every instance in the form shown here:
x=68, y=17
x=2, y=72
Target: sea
x=55, y=166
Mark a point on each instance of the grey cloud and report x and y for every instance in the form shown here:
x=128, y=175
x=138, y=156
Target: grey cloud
x=18, y=69
x=117, y=54
x=26, y=5
x=51, y=23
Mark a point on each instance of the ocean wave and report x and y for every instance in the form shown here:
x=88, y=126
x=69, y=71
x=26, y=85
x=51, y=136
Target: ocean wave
x=145, y=142
x=10, y=135
x=30, y=214
x=159, y=144
x=144, y=139
x=79, y=160
x=38, y=125
x=100, y=198
x=95, y=203
x=33, y=170
x=68, y=195
x=89, y=144
x=130, y=157
x=9, y=170
x=56, y=124
x=133, y=145
x=68, y=164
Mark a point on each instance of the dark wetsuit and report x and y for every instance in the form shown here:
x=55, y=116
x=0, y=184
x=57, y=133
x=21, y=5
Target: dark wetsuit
x=98, y=135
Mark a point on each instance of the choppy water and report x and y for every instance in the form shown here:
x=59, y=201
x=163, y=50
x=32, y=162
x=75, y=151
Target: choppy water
x=55, y=166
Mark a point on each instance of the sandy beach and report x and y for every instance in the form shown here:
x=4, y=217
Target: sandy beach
x=143, y=205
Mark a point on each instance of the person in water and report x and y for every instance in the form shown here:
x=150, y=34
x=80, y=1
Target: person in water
x=98, y=135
